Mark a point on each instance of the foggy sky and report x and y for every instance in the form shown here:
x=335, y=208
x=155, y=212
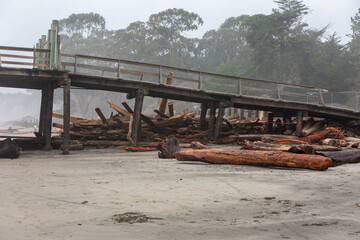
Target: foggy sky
x=22, y=22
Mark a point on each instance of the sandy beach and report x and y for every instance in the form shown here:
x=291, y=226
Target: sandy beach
x=45, y=195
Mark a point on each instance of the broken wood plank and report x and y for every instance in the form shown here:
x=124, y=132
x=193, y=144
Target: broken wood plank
x=342, y=157
x=101, y=115
x=256, y=158
x=120, y=110
x=163, y=115
x=72, y=118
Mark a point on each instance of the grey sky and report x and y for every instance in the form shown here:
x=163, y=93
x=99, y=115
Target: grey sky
x=22, y=22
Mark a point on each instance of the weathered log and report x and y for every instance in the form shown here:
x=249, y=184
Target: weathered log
x=256, y=158
x=61, y=126
x=168, y=147
x=342, y=157
x=308, y=124
x=316, y=127
x=101, y=115
x=228, y=139
x=9, y=149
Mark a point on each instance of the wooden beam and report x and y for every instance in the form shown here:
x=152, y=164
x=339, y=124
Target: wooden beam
x=163, y=115
x=219, y=121
x=270, y=120
x=66, y=116
x=203, y=116
x=212, y=117
x=101, y=115
x=136, y=124
x=48, y=116
x=299, y=123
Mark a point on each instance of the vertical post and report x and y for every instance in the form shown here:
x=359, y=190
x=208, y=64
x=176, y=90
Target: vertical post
x=53, y=43
x=331, y=98
x=203, y=116
x=35, y=61
x=287, y=120
x=66, y=120
x=119, y=69
x=278, y=91
x=160, y=74
x=299, y=123
x=48, y=116
x=200, y=80
x=136, y=125
x=75, y=64
x=321, y=99
x=270, y=122
x=242, y=114
x=212, y=116
x=219, y=121
x=239, y=86
x=42, y=111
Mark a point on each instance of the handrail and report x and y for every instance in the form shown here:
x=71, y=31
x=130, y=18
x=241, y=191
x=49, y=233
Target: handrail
x=114, y=60
x=36, y=60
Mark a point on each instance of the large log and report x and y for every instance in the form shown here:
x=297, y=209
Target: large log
x=256, y=158
x=316, y=127
x=342, y=157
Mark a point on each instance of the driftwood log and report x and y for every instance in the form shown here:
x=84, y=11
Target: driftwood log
x=168, y=147
x=9, y=149
x=342, y=157
x=256, y=158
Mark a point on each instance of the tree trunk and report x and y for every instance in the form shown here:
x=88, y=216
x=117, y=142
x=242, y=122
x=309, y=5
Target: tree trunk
x=256, y=158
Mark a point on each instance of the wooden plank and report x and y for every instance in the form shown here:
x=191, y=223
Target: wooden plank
x=72, y=118
x=120, y=110
x=163, y=101
x=17, y=56
x=219, y=121
x=203, y=116
x=163, y=115
x=23, y=49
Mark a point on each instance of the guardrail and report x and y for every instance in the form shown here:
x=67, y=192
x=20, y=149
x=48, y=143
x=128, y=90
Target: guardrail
x=138, y=71
x=117, y=68
x=37, y=57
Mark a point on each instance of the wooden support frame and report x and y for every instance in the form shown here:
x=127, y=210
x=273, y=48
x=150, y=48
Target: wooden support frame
x=66, y=120
x=203, y=116
x=136, y=125
x=270, y=117
x=219, y=121
x=46, y=108
x=299, y=123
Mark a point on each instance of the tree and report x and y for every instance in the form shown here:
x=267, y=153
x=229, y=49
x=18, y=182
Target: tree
x=84, y=24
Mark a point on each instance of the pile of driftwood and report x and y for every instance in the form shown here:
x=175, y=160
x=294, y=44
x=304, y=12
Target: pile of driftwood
x=318, y=148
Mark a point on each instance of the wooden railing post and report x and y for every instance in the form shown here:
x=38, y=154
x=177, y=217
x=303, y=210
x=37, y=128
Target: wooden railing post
x=321, y=99
x=239, y=86
x=200, y=80
x=160, y=75
x=75, y=64
x=278, y=90
x=119, y=69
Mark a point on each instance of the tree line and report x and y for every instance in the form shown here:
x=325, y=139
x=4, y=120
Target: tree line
x=279, y=46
